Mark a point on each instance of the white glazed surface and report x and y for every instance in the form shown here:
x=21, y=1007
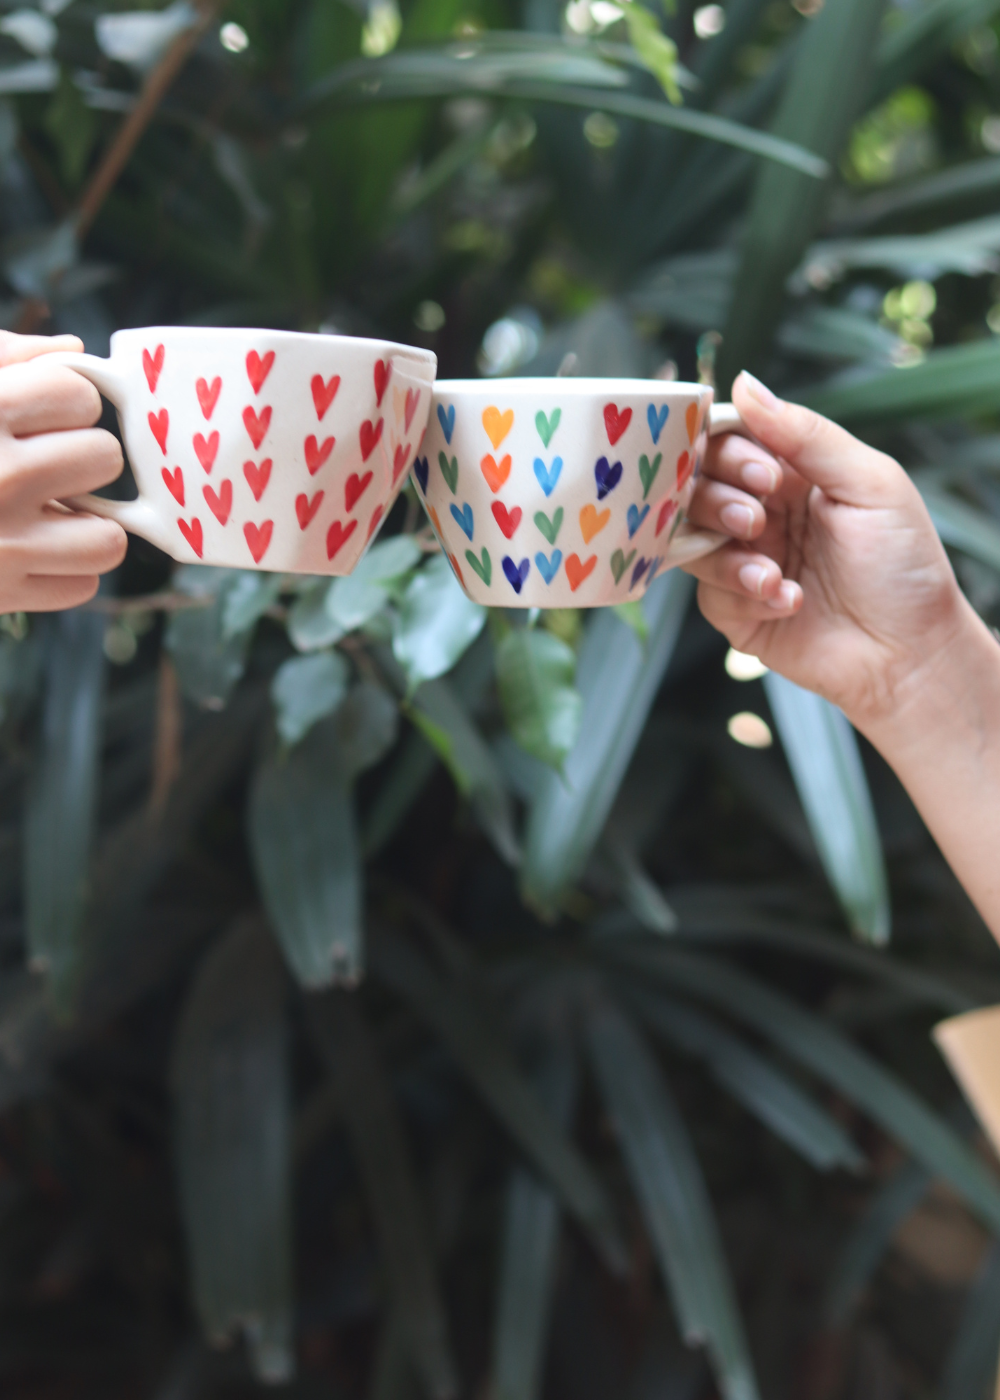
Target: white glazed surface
x=204, y=411
x=629, y=524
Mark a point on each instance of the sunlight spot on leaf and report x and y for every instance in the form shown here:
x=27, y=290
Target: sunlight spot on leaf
x=750, y=730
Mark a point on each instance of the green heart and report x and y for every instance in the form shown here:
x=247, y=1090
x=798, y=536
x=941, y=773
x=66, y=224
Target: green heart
x=484, y=569
x=619, y=563
x=449, y=470
x=547, y=426
x=648, y=470
x=549, y=528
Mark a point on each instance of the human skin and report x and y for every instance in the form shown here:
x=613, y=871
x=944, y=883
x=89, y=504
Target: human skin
x=50, y=556
x=841, y=584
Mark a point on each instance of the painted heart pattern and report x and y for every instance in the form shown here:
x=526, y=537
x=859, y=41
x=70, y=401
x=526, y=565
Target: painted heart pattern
x=208, y=396
x=497, y=424
x=413, y=397
x=338, y=535
x=548, y=477
x=219, y=503
x=152, y=366
x=258, y=476
x=174, y=482
x=464, y=518
x=636, y=517
x=194, y=535
x=400, y=458
x=649, y=470
x=656, y=417
x=616, y=421
x=446, y=417
x=496, y=473
x=316, y=455
x=370, y=436
x=546, y=424
x=159, y=426
x=483, y=565
x=607, y=475
x=449, y=470
x=508, y=520
x=324, y=391
x=550, y=527
x=373, y=524
x=548, y=565
x=257, y=425
x=383, y=373
x=421, y=470
x=305, y=509
x=578, y=569
x=354, y=489
x=206, y=449
x=593, y=521
x=517, y=574
x=258, y=538
x=258, y=368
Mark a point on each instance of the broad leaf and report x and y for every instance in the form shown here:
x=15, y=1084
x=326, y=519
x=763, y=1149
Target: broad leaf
x=436, y=623
x=209, y=662
x=535, y=673
x=354, y=600
x=306, y=689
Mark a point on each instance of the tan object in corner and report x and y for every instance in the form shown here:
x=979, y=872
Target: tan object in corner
x=971, y=1045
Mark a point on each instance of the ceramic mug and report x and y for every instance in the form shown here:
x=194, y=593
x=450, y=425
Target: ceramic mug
x=566, y=493
x=260, y=449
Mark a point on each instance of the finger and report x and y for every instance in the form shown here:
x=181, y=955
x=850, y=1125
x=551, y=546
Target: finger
x=65, y=546
x=826, y=455
x=42, y=594
x=737, y=617
x=715, y=506
x=740, y=571
x=15, y=349
x=739, y=462
x=46, y=398
x=51, y=466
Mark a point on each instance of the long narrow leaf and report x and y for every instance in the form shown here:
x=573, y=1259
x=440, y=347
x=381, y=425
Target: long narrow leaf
x=971, y=1369
x=823, y=755
x=668, y=1181
x=947, y=383
x=962, y=527
x=870, y=1238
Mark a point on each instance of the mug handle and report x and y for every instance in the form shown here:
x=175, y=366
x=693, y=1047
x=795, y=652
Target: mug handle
x=138, y=516
x=689, y=544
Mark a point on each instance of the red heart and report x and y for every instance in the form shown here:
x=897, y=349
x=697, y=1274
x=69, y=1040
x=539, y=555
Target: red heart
x=160, y=425
x=685, y=466
x=257, y=427
x=206, y=451
x=258, y=369
x=258, y=537
x=324, y=394
x=616, y=422
x=373, y=523
x=258, y=477
x=666, y=515
x=399, y=461
x=306, y=509
x=412, y=399
x=175, y=484
x=316, y=455
x=356, y=488
x=577, y=570
x=507, y=520
x=383, y=371
x=458, y=572
x=369, y=437
x=192, y=533
x=208, y=397
x=338, y=535
x=220, y=505
x=153, y=364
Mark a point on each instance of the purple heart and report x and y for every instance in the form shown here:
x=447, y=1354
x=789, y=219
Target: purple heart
x=606, y=476
x=516, y=573
x=420, y=469
x=638, y=572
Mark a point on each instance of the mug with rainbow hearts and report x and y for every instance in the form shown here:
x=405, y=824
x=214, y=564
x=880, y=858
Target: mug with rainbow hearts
x=260, y=449
x=566, y=493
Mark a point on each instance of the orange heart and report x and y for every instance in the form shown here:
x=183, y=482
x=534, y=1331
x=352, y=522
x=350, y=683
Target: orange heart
x=685, y=466
x=577, y=571
x=454, y=564
x=691, y=418
x=497, y=424
x=434, y=519
x=496, y=473
x=592, y=522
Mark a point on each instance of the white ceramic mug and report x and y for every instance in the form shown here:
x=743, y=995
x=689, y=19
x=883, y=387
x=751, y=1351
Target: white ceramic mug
x=566, y=493
x=260, y=449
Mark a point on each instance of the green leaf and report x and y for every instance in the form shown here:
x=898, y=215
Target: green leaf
x=436, y=624
x=306, y=689
x=969, y=249
x=962, y=527
x=917, y=38
x=619, y=680
x=378, y=1140
x=209, y=663
x=971, y=1369
x=230, y=1077
x=248, y=595
x=354, y=600
x=824, y=95
x=484, y=1058
x=823, y=755
x=871, y=1237
x=671, y=1190
x=309, y=625
x=535, y=672
x=73, y=127
x=60, y=814
x=655, y=51
x=944, y=188
x=953, y=382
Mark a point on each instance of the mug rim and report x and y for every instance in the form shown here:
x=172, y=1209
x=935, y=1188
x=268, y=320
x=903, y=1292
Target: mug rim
x=568, y=384
x=217, y=332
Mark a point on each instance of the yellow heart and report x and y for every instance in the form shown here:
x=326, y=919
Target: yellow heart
x=692, y=421
x=497, y=424
x=592, y=522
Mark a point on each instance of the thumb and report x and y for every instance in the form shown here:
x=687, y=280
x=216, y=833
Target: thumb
x=824, y=454
x=15, y=349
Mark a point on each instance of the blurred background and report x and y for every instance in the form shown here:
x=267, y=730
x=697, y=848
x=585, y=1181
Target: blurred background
x=397, y=1001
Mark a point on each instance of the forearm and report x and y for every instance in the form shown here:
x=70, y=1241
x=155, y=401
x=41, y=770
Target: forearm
x=943, y=741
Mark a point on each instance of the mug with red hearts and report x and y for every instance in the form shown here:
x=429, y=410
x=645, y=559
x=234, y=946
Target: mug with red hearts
x=566, y=493
x=261, y=449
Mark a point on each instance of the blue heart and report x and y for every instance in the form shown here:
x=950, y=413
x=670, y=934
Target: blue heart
x=635, y=518
x=464, y=518
x=447, y=421
x=606, y=476
x=548, y=568
x=655, y=419
x=548, y=476
x=638, y=572
x=420, y=470
x=516, y=573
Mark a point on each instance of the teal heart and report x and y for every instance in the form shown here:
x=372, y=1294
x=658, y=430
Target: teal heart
x=547, y=426
x=549, y=528
x=635, y=518
x=548, y=568
x=619, y=563
x=463, y=517
x=648, y=470
x=449, y=470
x=484, y=569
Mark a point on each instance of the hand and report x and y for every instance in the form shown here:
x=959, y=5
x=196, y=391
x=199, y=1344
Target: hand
x=51, y=557
x=847, y=590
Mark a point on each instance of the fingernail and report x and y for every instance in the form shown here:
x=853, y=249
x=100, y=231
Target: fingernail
x=785, y=597
x=752, y=577
x=737, y=519
x=761, y=392
x=758, y=477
